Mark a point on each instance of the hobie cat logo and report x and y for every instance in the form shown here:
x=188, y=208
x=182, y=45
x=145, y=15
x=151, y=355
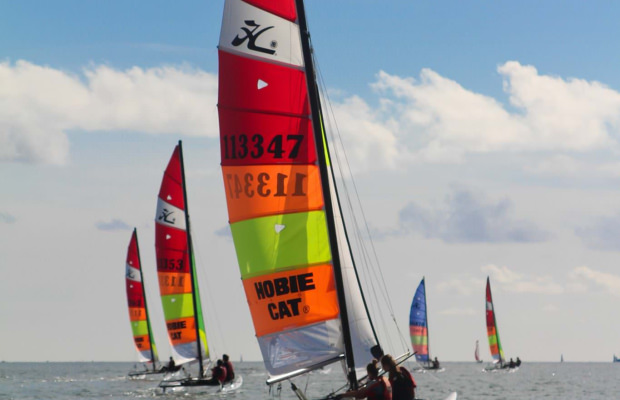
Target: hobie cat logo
x=251, y=34
x=166, y=216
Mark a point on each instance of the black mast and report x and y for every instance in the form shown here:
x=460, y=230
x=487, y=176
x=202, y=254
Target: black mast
x=146, y=310
x=190, y=253
x=329, y=212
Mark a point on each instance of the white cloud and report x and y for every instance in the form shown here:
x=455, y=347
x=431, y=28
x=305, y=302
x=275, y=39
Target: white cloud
x=511, y=281
x=113, y=225
x=439, y=120
x=458, y=311
x=430, y=119
x=609, y=282
x=466, y=217
x=602, y=234
x=39, y=104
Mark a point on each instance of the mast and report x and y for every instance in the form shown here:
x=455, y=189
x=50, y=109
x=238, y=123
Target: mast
x=191, y=263
x=428, y=343
x=499, y=346
x=146, y=310
x=321, y=147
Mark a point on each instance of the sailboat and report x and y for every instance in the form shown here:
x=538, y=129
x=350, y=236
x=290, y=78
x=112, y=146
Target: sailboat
x=138, y=311
x=495, y=345
x=178, y=282
x=477, y=352
x=616, y=359
x=294, y=256
x=418, y=329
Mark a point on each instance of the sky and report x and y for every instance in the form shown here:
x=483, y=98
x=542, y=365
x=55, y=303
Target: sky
x=483, y=138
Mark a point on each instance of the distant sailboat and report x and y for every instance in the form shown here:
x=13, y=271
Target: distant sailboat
x=138, y=311
x=477, y=353
x=561, y=357
x=418, y=328
x=495, y=345
x=178, y=283
x=616, y=359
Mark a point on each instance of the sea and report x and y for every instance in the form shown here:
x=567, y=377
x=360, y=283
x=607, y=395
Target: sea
x=108, y=380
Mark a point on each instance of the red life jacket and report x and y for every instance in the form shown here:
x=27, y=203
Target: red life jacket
x=219, y=373
x=379, y=389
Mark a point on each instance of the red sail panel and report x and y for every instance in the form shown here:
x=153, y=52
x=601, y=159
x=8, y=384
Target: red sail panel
x=284, y=9
x=250, y=138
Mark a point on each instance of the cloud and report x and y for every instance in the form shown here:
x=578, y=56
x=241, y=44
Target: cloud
x=6, y=218
x=464, y=285
x=466, y=218
x=426, y=119
x=438, y=120
x=458, y=311
x=602, y=234
x=113, y=225
x=511, y=281
x=608, y=282
x=40, y=104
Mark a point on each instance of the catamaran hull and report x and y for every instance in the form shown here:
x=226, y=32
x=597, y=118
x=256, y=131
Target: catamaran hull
x=200, y=385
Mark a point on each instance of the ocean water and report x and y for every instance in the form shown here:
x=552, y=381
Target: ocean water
x=98, y=380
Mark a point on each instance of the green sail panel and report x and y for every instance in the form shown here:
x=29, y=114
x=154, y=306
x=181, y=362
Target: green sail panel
x=276, y=242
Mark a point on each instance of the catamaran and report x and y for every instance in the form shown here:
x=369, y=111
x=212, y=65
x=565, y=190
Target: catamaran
x=292, y=247
x=138, y=312
x=178, y=281
x=418, y=329
x=495, y=345
x=477, y=353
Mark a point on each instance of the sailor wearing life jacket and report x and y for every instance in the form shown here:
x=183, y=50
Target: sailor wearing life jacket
x=377, y=388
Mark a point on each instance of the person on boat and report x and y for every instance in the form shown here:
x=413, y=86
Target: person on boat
x=377, y=388
x=171, y=367
x=230, y=371
x=511, y=364
x=518, y=362
x=403, y=384
x=218, y=374
x=435, y=363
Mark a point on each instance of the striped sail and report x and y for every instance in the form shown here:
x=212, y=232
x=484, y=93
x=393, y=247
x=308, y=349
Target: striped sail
x=276, y=194
x=418, y=324
x=136, y=301
x=494, y=344
x=175, y=267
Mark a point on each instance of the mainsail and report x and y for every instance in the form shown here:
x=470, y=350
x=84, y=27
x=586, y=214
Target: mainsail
x=178, y=284
x=495, y=345
x=136, y=300
x=418, y=324
x=292, y=249
x=477, y=352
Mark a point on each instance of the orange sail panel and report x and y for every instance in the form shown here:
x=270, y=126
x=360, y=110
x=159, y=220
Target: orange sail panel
x=175, y=268
x=136, y=301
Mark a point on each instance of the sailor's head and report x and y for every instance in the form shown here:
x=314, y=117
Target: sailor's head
x=225, y=357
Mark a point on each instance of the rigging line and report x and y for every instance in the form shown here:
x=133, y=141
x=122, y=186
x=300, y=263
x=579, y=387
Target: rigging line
x=377, y=271
x=213, y=316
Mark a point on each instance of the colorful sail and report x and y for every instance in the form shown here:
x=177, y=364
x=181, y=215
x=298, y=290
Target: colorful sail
x=279, y=189
x=418, y=324
x=495, y=345
x=175, y=267
x=136, y=300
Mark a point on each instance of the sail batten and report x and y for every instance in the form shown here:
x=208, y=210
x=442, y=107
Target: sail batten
x=290, y=240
